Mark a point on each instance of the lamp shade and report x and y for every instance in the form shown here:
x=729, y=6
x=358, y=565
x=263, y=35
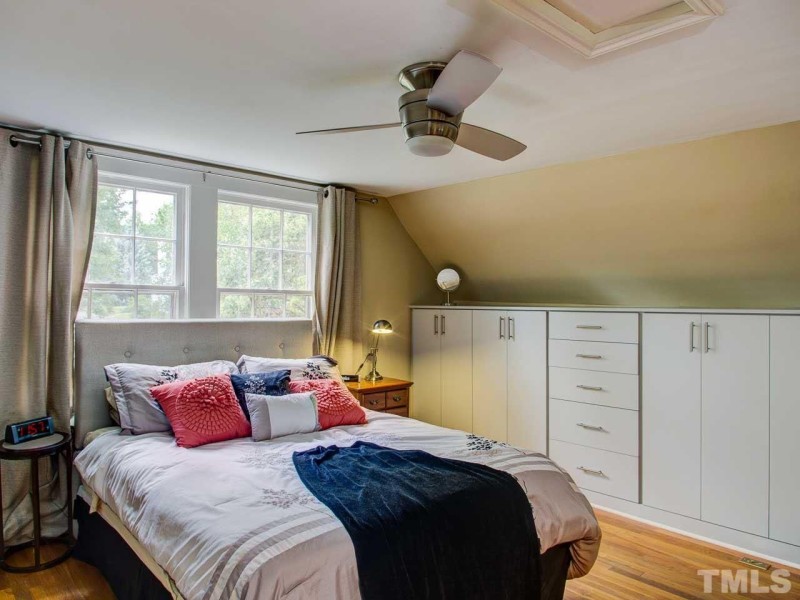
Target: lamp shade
x=382, y=326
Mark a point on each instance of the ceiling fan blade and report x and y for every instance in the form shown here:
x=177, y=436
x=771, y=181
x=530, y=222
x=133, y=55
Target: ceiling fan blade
x=462, y=82
x=489, y=143
x=349, y=129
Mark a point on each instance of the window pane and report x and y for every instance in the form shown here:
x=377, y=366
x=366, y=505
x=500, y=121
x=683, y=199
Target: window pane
x=232, y=267
x=266, y=227
x=235, y=306
x=233, y=224
x=114, y=210
x=155, y=306
x=108, y=304
x=295, y=231
x=269, y=306
x=265, y=270
x=297, y=307
x=295, y=271
x=155, y=214
x=111, y=260
x=155, y=262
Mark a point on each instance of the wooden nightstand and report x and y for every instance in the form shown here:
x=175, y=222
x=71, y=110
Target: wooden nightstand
x=387, y=395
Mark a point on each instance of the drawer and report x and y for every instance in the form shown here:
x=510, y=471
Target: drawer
x=595, y=356
x=598, y=470
x=396, y=398
x=595, y=326
x=400, y=412
x=612, y=429
x=595, y=387
x=374, y=401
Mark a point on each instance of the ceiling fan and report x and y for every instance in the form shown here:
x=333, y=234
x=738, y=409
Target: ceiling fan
x=431, y=110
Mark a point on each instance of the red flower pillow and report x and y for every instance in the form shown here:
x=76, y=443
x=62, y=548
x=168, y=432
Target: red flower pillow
x=335, y=404
x=202, y=411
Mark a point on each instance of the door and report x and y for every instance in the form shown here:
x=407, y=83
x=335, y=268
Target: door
x=527, y=380
x=784, y=497
x=735, y=443
x=426, y=401
x=671, y=412
x=456, y=351
x=490, y=359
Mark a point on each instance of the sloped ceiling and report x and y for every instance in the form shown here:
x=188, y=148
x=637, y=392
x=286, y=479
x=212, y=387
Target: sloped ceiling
x=232, y=81
x=709, y=223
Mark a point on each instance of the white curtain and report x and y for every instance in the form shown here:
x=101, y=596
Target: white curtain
x=337, y=297
x=47, y=202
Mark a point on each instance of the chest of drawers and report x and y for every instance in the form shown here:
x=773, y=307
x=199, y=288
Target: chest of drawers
x=387, y=395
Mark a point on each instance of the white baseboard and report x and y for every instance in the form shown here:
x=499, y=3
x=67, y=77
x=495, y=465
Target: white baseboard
x=771, y=551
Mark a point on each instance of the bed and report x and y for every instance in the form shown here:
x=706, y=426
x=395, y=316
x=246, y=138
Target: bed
x=232, y=519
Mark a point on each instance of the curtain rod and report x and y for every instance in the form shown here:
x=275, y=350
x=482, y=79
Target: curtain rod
x=33, y=138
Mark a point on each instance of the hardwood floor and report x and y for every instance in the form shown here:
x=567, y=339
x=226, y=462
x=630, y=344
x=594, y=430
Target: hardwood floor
x=636, y=562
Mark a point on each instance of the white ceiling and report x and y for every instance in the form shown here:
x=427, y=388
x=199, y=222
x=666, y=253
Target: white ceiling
x=232, y=81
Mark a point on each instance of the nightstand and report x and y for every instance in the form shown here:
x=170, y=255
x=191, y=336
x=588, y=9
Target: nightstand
x=386, y=395
x=58, y=444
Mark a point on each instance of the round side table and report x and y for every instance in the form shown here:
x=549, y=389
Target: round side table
x=58, y=444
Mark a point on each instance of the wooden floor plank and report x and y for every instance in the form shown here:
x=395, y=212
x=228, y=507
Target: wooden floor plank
x=636, y=562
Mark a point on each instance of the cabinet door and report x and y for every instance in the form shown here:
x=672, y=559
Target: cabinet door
x=527, y=380
x=736, y=422
x=671, y=413
x=456, y=339
x=489, y=392
x=426, y=403
x=784, y=497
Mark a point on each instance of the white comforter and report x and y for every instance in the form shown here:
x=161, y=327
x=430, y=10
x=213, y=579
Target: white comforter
x=233, y=520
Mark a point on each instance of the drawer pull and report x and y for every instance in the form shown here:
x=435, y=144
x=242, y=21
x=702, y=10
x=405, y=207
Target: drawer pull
x=588, y=326
x=592, y=471
x=592, y=427
x=592, y=388
x=397, y=398
x=592, y=356
x=373, y=402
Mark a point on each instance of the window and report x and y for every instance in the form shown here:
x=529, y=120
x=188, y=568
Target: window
x=136, y=266
x=264, y=257
x=173, y=242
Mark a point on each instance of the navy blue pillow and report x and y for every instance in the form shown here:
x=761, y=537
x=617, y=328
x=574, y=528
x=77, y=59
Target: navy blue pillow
x=274, y=383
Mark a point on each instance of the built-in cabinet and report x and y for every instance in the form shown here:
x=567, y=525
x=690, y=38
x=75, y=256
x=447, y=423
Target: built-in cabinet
x=692, y=416
x=509, y=377
x=705, y=417
x=442, y=347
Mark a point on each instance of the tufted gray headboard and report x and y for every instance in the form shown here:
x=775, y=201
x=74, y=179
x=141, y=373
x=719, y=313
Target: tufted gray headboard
x=168, y=343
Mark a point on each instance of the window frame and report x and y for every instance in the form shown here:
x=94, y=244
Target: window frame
x=182, y=194
x=230, y=196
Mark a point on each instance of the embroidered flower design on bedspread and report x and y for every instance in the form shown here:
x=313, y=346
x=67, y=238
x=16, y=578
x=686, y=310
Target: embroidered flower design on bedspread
x=261, y=458
x=285, y=499
x=478, y=444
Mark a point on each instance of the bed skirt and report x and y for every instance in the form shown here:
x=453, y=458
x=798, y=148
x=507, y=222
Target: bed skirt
x=101, y=546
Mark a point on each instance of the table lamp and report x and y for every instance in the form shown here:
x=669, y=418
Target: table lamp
x=379, y=328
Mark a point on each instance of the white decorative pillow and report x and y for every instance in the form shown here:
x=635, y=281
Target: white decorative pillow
x=276, y=416
x=131, y=383
x=316, y=367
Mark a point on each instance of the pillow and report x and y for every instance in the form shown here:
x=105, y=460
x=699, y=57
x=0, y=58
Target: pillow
x=202, y=411
x=131, y=384
x=335, y=404
x=276, y=416
x=112, y=405
x=316, y=367
x=265, y=384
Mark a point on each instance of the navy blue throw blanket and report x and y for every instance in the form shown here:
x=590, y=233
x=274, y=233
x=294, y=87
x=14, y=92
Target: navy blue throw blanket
x=425, y=527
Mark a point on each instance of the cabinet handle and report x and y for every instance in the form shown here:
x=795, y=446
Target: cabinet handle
x=591, y=427
x=691, y=336
x=443, y=322
x=592, y=388
x=502, y=328
x=435, y=324
x=592, y=356
x=588, y=326
x=374, y=402
x=511, y=328
x=592, y=471
x=706, y=344
x=397, y=398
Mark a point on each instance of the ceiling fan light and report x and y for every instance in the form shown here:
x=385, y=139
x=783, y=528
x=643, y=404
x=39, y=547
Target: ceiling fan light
x=429, y=145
